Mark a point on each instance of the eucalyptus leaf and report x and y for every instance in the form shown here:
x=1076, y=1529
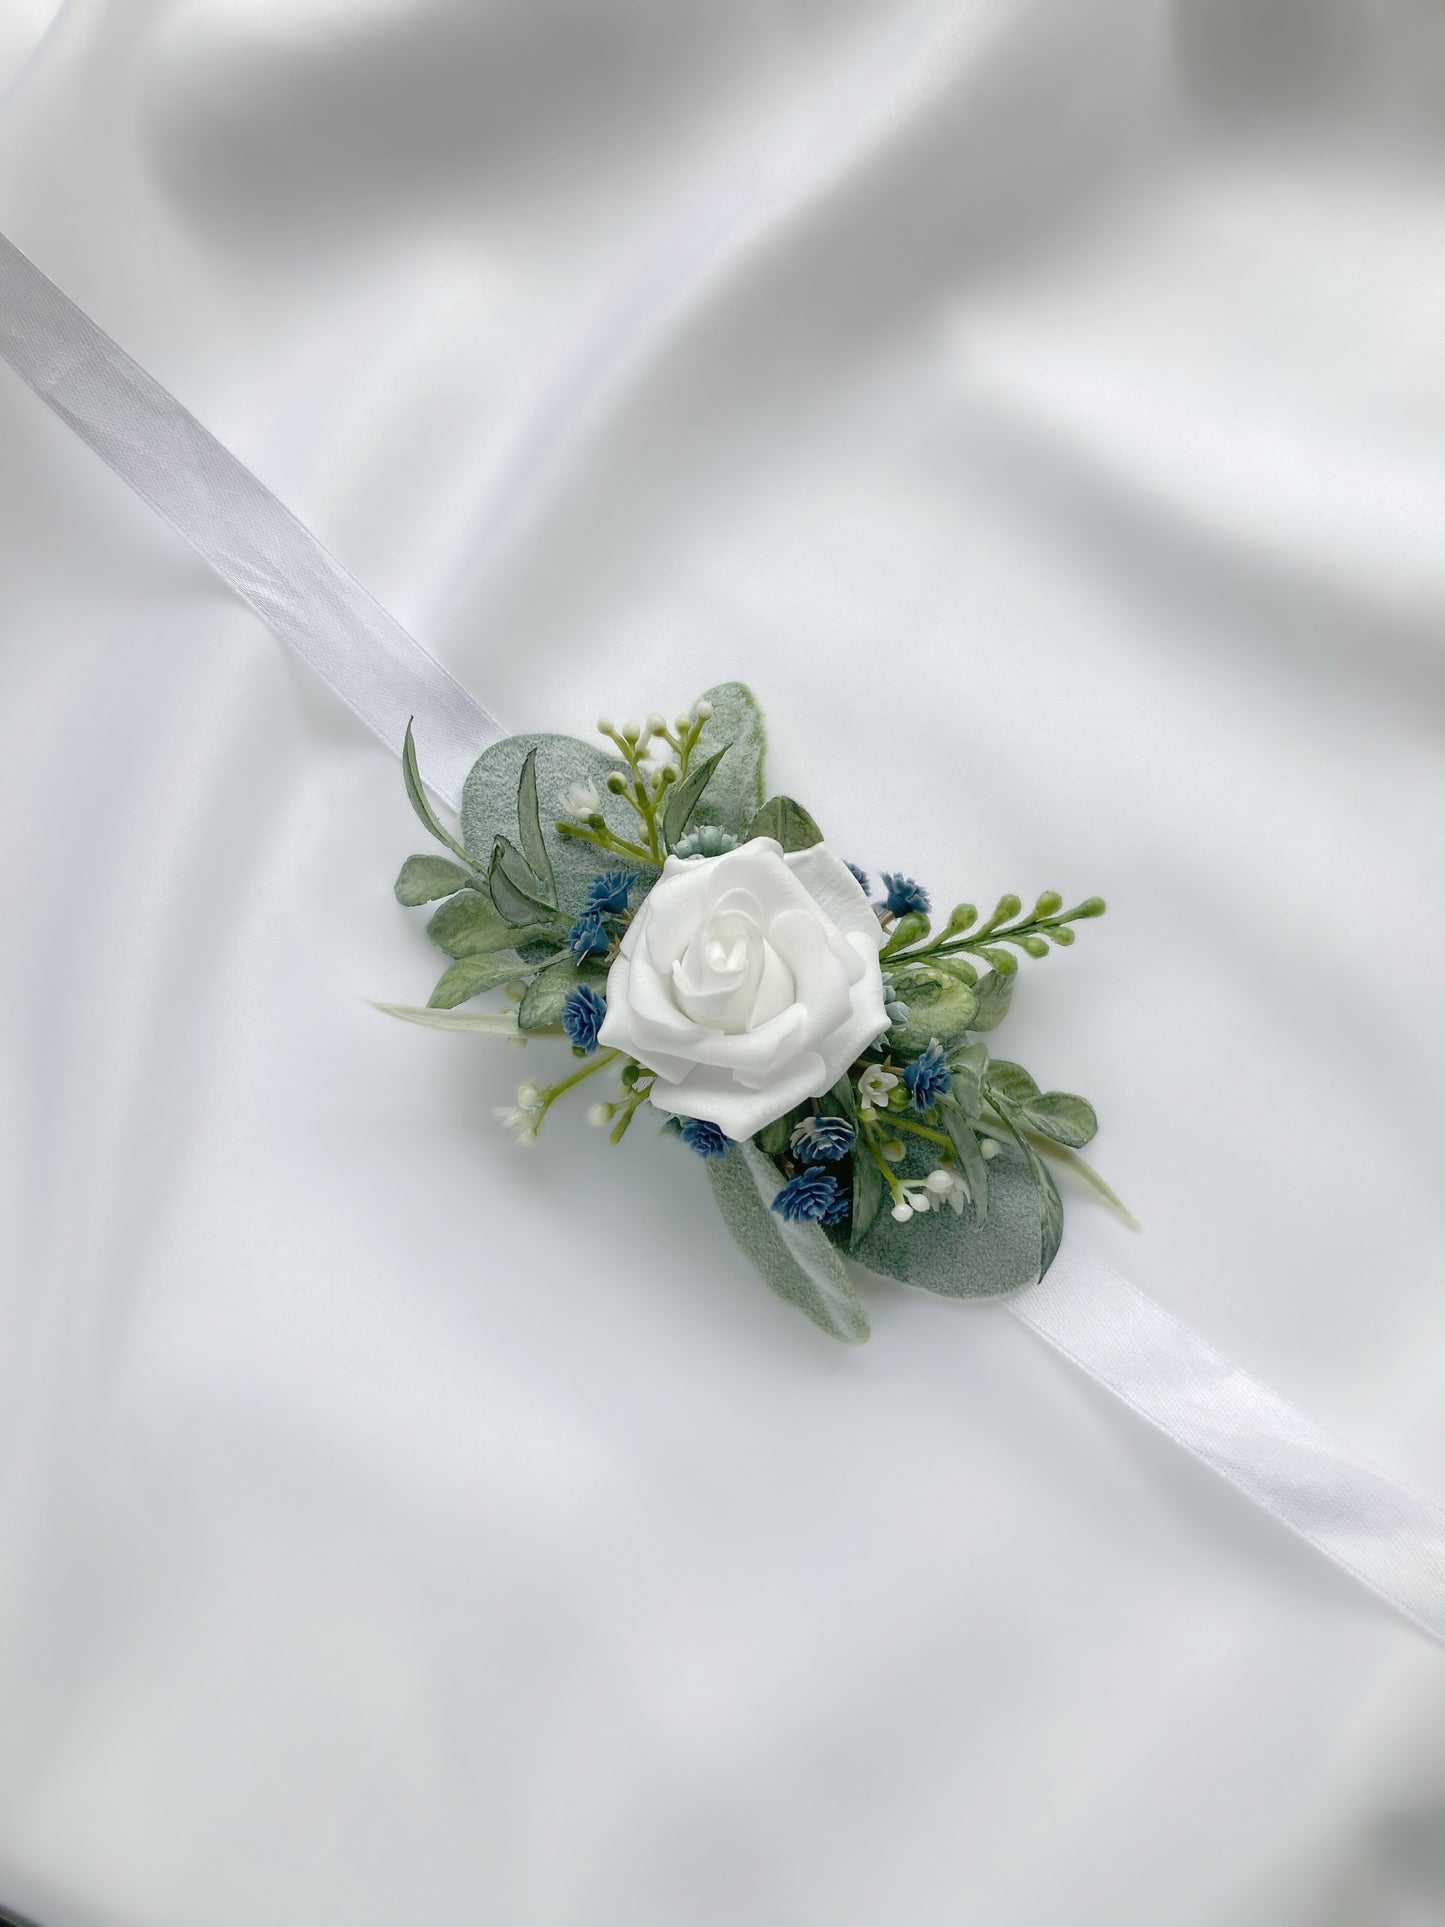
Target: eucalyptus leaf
x=542, y=1005
x=968, y=1066
x=489, y=805
x=513, y=904
x=682, y=798
x=735, y=794
x=420, y=802
x=467, y=925
x=786, y=822
x=470, y=976
x=529, y=831
x=1011, y=1082
x=964, y=1254
x=938, y=1006
x=490, y=1023
x=1063, y=1117
x=422, y=879
x=995, y=993
x=796, y=1260
x=970, y=1157
x=867, y=1192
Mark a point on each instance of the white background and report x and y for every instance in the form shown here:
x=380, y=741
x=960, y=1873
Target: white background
x=1041, y=406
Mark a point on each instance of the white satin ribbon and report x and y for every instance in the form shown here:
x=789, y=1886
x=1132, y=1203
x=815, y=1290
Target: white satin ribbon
x=1391, y=1539
x=235, y=523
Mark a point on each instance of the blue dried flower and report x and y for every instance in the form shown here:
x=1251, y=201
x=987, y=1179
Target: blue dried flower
x=812, y=1197
x=582, y=1013
x=928, y=1077
x=828, y=1138
x=587, y=938
x=860, y=877
x=838, y=1210
x=708, y=1140
x=607, y=894
x=904, y=895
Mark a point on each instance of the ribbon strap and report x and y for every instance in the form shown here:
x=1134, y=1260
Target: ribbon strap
x=234, y=522
x=1391, y=1539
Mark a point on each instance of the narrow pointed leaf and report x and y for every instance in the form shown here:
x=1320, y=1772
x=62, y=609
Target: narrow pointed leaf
x=786, y=822
x=490, y=1023
x=420, y=801
x=683, y=797
x=422, y=879
x=470, y=976
x=529, y=831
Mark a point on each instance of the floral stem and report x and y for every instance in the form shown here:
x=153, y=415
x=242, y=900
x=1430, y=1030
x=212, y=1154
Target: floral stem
x=589, y=1069
x=919, y=1130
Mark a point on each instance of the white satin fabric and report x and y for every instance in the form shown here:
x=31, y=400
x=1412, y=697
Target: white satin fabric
x=1041, y=406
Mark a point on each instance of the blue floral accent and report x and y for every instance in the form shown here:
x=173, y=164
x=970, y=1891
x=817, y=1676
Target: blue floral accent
x=828, y=1138
x=904, y=895
x=860, y=877
x=838, y=1210
x=708, y=1140
x=582, y=1013
x=587, y=938
x=812, y=1197
x=607, y=894
x=928, y=1077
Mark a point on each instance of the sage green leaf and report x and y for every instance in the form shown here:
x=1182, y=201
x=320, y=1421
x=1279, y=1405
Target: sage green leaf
x=419, y=799
x=786, y=822
x=542, y=1005
x=735, y=794
x=938, y=1006
x=512, y=902
x=867, y=1192
x=467, y=925
x=968, y=1066
x=995, y=993
x=1063, y=1117
x=1050, y=1204
x=529, y=831
x=490, y=1023
x=682, y=798
x=773, y=1137
x=972, y=1160
x=796, y=1260
x=470, y=976
x=489, y=804
x=1011, y=1082
x=958, y=967
x=1085, y=1171
x=964, y=1254
x=422, y=879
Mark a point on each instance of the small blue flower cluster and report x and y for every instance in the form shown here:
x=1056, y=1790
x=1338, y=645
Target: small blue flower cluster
x=582, y=1012
x=587, y=938
x=904, y=895
x=928, y=1077
x=606, y=897
x=828, y=1138
x=708, y=1140
x=860, y=877
x=812, y=1197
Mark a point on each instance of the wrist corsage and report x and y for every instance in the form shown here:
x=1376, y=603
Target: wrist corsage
x=704, y=953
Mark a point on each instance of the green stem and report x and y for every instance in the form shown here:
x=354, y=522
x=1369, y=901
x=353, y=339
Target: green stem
x=607, y=840
x=919, y=1130
x=869, y=1129
x=590, y=1069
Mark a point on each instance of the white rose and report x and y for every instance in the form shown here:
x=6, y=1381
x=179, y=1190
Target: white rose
x=748, y=982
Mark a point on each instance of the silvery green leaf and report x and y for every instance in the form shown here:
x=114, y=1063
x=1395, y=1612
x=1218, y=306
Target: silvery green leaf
x=422, y=879
x=682, y=798
x=1011, y=1082
x=963, y=1254
x=467, y=925
x=968, y=1066
x=965, y=1143
x=1050, y=1204
x=420, y=801
x=995, y=993
x=867, y=1192
x=490, y=1023
x=470, y=976
x=489, y=803
x=938, y=1006
x=786, y=822
x=735, y=794
x=795, y=1259
x=542, y=1005
x=529, y=832
x=1063, y=1117
x=773, y=1137
x=513, y=903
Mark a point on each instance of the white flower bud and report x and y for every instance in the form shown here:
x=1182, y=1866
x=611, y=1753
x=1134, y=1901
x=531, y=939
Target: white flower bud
x=631, y=732
x=703, y=711
x=940, y=1181
x=604, y=726
x=988, y=1147
x=600, y=1114
x=902, y=1212
x=656, y=723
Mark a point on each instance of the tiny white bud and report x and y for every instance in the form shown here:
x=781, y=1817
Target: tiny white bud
x=940, y=1181
x=631, y=732
x=893, y=1151
x=902, y=1212
x=528, y=1096
x=988, y=1147
x=656, y=723
x=702, y=710
x=600, y=1114
x=680, y=724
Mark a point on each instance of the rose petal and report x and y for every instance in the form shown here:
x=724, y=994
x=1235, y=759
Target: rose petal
x=832, y=885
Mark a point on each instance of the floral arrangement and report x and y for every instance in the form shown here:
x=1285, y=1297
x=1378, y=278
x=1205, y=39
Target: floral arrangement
x=696, y=942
